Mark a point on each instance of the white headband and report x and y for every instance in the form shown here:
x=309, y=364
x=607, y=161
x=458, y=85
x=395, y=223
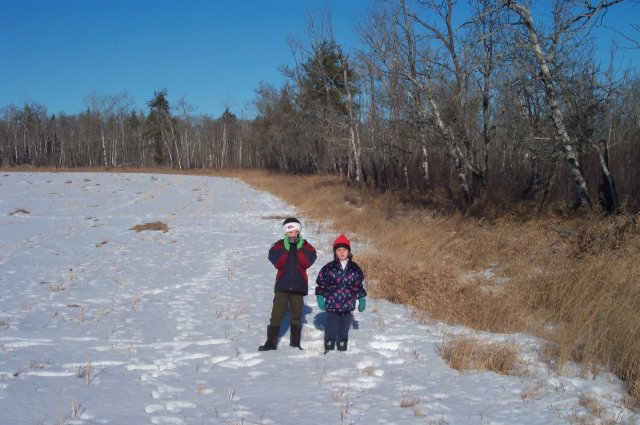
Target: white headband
x=292, y=226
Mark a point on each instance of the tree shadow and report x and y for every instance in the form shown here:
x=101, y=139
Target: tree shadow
x=321, y=318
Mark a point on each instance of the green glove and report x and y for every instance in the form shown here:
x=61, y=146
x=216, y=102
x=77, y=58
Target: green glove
x=362, y=304
x=320, y=300
x=300, y=242
x=287, y=245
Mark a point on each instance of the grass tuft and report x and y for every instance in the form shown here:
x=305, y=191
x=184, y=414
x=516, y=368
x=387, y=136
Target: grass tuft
x=156, y=226
x=466, y=353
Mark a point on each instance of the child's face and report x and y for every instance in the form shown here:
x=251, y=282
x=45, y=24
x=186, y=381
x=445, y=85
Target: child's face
x=342, y=253
x=293, y=234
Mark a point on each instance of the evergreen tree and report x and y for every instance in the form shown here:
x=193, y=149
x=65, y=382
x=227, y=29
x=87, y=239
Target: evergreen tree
x=156, y=125
x=322, y=86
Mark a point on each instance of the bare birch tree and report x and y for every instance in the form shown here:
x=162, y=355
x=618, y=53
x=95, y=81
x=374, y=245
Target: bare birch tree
x=565, y=24
x=396, y=46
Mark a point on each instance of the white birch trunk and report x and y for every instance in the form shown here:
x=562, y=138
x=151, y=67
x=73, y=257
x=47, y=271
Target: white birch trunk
x=454, y=152
x=425, y=160
x=354, y=135
x=104, y=149
x=556, y=114
x=607, y=176
x=224, y=144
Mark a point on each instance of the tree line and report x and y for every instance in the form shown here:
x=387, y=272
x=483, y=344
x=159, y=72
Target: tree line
x=458, y=104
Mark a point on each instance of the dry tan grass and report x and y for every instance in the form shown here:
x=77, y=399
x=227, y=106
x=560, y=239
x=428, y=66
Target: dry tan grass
x=155, y=226
x=410, y=402
x=470, y=353
x=590, y=403
x=532, y=392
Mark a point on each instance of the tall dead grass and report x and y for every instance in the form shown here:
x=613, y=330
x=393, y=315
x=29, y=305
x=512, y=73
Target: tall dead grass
x=574, y=281
x=469, y=353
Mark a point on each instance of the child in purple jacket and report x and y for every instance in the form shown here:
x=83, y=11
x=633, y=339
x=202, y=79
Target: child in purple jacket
x=339, y=284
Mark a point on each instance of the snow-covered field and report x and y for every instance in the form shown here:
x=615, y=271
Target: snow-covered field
x=100, y=324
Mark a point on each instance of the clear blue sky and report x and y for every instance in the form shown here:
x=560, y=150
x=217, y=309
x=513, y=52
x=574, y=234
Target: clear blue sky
x=211, y=52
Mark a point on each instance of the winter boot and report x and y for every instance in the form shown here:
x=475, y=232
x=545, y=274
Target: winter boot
x=295, y=336
x=272, y=339
x=329, y=345
x=342, y=345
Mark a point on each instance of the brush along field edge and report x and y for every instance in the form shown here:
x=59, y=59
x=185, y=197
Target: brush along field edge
x=570, y=280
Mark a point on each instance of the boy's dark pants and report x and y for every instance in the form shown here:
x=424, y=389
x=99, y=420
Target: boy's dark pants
x=280, y=302
x=337, y=325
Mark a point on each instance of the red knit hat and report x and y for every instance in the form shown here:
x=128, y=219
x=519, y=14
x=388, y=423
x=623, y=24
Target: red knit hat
x=341, y=241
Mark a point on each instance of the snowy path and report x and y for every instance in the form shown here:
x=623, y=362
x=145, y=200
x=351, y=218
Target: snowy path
x=100, y=324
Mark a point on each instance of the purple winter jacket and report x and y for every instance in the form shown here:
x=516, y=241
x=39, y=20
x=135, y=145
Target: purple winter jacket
x=341, y=289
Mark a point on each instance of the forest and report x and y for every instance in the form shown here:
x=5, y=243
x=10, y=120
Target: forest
x=461, y=107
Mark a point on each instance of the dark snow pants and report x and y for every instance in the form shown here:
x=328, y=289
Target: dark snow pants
x=280, y=302
x=336, y=325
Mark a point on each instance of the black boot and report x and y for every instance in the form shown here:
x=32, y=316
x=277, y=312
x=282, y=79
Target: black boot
x=272, y=339
x=329, y=345
x=296, y=335
x=342, y=345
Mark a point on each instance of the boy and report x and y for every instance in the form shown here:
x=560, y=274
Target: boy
x=292, y=256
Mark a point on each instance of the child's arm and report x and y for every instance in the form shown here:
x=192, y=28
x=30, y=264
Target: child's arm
x=306, y=255
x=320, y=287
x=278, y=255
x=321, y=281
x=359, y=290
x=358, y=284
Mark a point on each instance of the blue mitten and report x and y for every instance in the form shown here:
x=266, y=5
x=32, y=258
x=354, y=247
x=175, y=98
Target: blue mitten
x=362, y=304
x=320, y=300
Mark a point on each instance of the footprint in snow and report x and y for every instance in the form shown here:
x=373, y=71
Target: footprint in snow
x=243, y=360
x=161, y=390
x=385, y=345
x=162, y=420
x=154, y=408
x=370, y=368
x=176, y=406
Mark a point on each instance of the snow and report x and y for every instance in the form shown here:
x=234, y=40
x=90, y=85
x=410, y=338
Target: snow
x=100, y=324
